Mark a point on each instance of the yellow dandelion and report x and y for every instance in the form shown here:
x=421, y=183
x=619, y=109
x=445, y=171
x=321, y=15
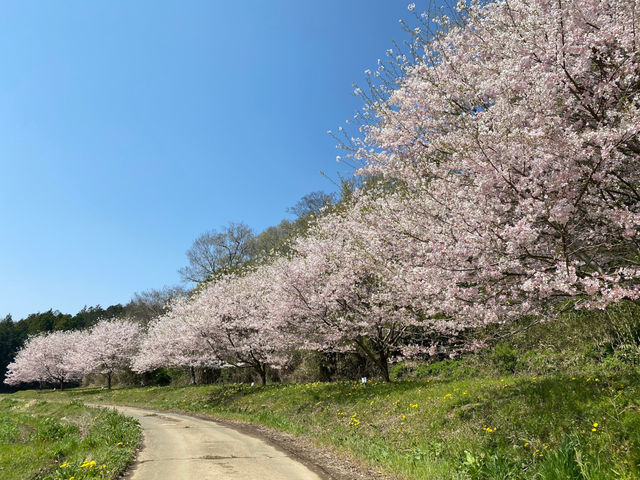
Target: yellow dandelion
x=595, y=424
x=64, y=464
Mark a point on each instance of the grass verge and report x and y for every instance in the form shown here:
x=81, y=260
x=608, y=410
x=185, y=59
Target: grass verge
x=514, y=427
x=54, y=440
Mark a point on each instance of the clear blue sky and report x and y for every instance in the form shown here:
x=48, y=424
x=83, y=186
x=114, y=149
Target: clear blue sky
x=127, y=128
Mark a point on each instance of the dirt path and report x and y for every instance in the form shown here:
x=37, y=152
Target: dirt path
x=179, y=447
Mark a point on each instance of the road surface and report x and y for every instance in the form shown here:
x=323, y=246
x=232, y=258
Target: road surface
x=179, y=447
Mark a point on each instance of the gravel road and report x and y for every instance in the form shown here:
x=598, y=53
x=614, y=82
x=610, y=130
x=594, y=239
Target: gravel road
x=179, y=447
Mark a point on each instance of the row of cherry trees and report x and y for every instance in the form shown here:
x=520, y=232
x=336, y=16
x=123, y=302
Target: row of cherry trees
x=58, y=357
x=503, y=181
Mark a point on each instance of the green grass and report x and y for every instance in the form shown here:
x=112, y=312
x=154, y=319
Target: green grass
x=53, y=440
x=510, y=427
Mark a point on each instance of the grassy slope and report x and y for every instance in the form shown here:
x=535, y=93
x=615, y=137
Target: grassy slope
x=48, y=440
x=510, y=427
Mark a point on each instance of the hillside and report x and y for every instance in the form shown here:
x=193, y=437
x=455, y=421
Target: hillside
x=516, y=426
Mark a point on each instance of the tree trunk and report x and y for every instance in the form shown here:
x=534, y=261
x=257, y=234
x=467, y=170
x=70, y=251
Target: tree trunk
x=262, y=372
x=193, y=375
x=384, y=366
x=61, y=383
x=40, y=385
x=109, y=380
x=380, y=360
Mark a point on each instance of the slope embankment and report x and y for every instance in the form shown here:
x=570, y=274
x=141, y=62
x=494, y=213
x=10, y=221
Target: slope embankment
x=520, y=427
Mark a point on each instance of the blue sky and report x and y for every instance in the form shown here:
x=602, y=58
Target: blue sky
x=129, y=128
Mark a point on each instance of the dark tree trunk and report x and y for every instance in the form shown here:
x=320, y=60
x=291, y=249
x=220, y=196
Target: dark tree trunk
x=61, y=383
x=381, y=359
x=109, y=380
x=193, y=375
x=384, y=366
x=262, y=372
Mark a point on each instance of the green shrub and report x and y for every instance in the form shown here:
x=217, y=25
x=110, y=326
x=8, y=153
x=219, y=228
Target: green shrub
x=505, y=358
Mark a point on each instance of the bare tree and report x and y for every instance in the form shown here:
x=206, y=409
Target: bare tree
x=311, y=204
x=213, y=252
x=149, y=304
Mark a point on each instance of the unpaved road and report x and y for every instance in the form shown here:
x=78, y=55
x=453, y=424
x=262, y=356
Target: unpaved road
x=179, y=447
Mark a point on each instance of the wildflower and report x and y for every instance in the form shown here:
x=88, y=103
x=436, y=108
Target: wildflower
x=371, y=403
x=526, y=444
x=447, y=395
x=64, y=464
x=411, y=7
x=594, y=429
x=595, y=424
x=104, y=465
x=404, y=417
x=414, y=405
x=90, y=464
x=354, y=422
x=119, y=443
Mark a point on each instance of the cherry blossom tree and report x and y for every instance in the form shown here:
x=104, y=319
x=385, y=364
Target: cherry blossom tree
x=509, y=157
x=235, y=317
x=110, y=345
x=343, y=291
x=171, y=341
x=47, y=358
